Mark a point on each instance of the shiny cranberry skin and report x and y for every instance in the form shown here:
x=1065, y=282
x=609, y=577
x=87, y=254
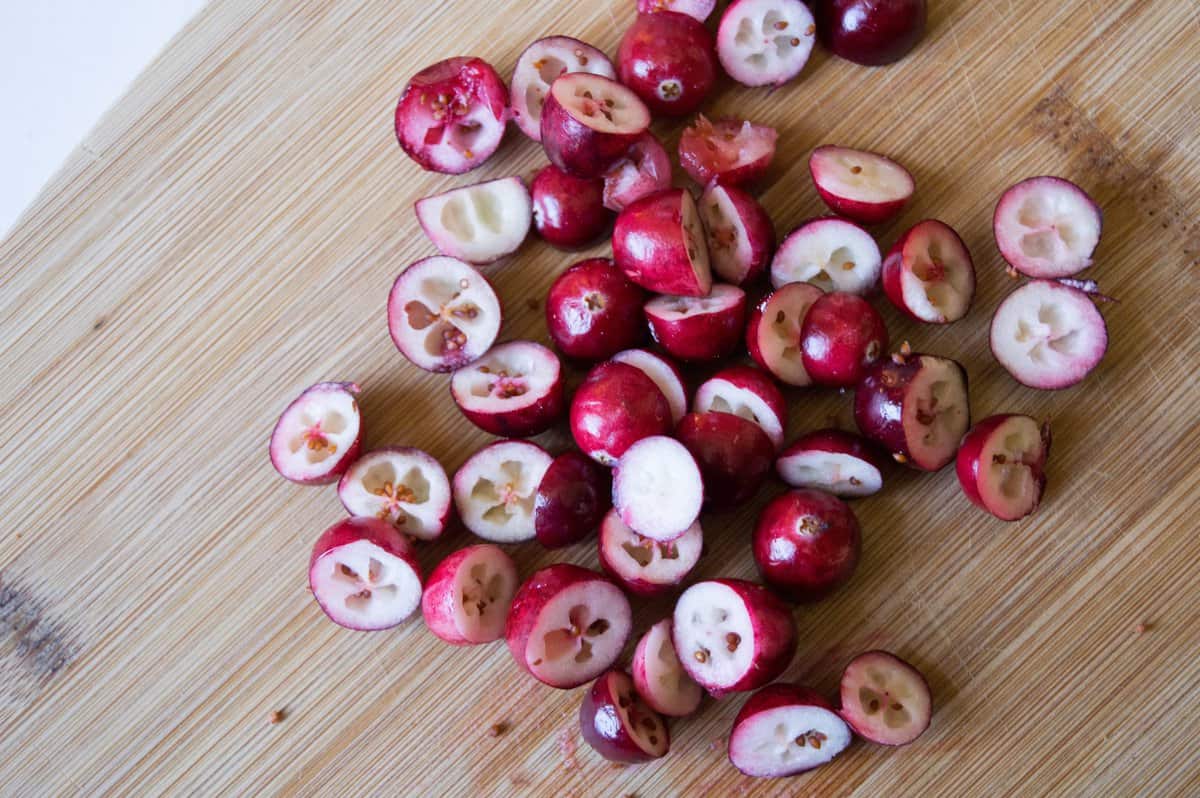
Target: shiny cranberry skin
x=669, y=60
x=593, y=311
x=841, y=336
x=806, y=544
x=734, y=455
x=568, y=211
x=870, y=32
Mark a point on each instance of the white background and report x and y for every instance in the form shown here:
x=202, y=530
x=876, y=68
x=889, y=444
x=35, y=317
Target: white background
x=62, y=64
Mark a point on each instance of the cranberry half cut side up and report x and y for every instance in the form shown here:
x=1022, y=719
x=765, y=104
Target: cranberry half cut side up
x=589, y=122
x=646, y=567
x=929, y=275
x=1048, y=335
x=832, y=254
x=451, y=116
x=467, y=597
x=773, y=332
x=404, y=486
x=442, y=314
x=885, y=699
x=860, y=185
x=567, y=625
x=480, y=223
x=786, y=729
x=318, y=435
x=515, y=390
x=495, y=490
x=1047, y=227
x=765, y=42
x=364, y=575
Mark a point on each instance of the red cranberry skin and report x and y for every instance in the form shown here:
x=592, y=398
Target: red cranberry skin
x=669, y=60
x=593, y=311
x=806, y=544
x=701, y=336
x=568, y=211
x=841, y=336
x=870, y=32
x=734, y=455
x=652, y=249
x=576, y=148
x=616, y=406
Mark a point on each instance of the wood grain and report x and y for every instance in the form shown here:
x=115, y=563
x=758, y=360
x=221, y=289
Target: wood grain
x=227, y=235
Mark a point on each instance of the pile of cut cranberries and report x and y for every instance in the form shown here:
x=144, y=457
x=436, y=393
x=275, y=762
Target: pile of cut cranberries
x=652, y=456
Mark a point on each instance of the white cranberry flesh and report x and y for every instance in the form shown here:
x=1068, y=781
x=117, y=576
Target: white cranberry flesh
x=317, y=436
x=657, y=488
x=765, y=42
x=364, y=575
x=467, y=597
x=659, y=678
x=741, y=238
x=929, y=275
x=1001, y=465
x=589, y=122
x=884, y=699
x=515, y=390
x=864, y=186
x=1047, y=227
x=773, y=332
x=646, y=567
x=480, y=223
x=732, y=635
x=746, y=392
x=696, y=9
x=495, y=490
x=451, y=116
x=406, y=487
x=786, y=729
x=442, y=314
x=618, y=725
x=1048, y=335
x=834, y=461
x=832, y=254
x=567, y=625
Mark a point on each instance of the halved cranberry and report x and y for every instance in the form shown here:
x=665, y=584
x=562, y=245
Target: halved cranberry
x=451, y=115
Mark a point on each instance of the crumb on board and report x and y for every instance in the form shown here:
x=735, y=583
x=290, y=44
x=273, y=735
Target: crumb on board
x=498, y=729
x=1142, y=627
x=716, y=744
x=276, y=716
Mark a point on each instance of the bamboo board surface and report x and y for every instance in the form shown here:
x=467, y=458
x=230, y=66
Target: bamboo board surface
x=227, y=235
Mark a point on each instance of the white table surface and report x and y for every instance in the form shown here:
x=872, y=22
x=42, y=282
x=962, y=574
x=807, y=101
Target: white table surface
x=62, y=64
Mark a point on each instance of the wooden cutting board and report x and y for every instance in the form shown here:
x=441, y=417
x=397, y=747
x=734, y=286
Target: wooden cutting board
x=228, y=234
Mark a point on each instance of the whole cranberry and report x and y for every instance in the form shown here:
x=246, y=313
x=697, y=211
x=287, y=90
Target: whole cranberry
x=806, y=544
x=870, y=32
x=669, y=60
x=593, y=311
x=568, y=211
x=841, y=336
